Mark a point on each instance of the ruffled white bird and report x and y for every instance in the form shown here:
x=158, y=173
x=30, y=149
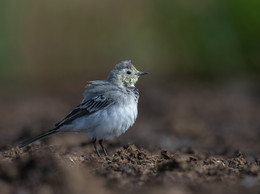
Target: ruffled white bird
x=108, y=109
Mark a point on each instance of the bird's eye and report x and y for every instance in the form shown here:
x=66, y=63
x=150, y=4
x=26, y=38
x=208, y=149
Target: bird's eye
x=129, y=72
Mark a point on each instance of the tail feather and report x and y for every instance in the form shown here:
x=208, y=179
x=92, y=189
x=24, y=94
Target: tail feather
x=29, y=141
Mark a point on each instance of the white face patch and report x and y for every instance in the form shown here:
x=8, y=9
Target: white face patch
x=124, y=74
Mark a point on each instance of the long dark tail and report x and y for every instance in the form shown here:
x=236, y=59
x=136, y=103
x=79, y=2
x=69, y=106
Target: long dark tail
x=47, y=133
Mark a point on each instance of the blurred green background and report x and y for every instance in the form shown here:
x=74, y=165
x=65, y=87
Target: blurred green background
x=62, y=41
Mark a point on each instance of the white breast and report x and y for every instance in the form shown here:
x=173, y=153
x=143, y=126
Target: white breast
x=110, y=122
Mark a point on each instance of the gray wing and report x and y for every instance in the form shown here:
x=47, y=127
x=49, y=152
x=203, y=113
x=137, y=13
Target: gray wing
x=88, y=107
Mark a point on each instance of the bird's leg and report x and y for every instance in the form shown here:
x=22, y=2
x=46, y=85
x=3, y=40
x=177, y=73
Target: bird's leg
x=101, y=144
x=95, y=146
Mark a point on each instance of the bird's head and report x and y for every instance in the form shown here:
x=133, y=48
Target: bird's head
x=125, y=74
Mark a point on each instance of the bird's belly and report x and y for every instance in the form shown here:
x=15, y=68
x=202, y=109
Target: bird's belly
x=116, y=121
x=108, y=123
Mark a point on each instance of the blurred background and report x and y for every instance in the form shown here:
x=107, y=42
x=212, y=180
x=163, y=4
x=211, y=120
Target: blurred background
x=202, y=96
x=66, y=41
x=203, y=59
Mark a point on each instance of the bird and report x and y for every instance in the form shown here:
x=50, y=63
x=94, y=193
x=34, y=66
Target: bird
x=108, y=109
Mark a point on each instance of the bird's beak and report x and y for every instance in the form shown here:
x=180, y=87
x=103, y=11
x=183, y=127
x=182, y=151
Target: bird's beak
x=142, y=73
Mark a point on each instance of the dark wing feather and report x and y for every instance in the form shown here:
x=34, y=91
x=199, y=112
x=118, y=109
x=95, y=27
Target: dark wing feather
x=90, y=106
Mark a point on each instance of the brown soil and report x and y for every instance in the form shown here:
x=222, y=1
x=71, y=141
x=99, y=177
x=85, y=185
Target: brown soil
x=196, y=139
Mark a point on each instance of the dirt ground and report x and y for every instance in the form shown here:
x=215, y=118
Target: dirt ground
x=188, y=138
